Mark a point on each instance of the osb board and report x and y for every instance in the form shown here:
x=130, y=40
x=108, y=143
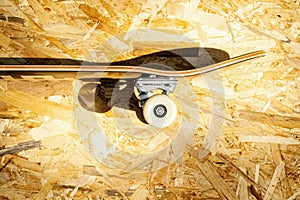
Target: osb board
x=257, y=152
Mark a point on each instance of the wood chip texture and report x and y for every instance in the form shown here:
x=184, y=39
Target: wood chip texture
x=237, y=133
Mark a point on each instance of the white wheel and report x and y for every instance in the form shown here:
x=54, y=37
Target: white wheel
x=160, y=111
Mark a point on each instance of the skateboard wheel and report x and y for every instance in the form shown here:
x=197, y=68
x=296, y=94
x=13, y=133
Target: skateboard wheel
x=160, y=111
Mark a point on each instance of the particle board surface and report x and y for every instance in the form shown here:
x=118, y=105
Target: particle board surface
x=247, y=116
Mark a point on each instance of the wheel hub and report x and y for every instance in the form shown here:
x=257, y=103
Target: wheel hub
x=160, y=111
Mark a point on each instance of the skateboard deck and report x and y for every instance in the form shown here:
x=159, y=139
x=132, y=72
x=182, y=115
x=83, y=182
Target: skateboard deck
x=116, y=81
x=173, y=63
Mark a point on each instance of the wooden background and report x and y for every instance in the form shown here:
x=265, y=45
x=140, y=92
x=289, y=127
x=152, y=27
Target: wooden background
x=257, y=153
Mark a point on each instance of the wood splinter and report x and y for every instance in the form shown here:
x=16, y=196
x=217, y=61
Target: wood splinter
x=20, y=147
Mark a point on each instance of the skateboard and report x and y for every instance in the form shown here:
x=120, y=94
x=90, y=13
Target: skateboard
x=142, y=84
